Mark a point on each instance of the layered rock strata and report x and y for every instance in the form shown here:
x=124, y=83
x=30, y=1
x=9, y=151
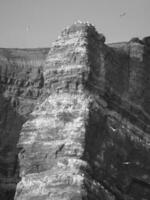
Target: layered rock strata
x=89, y=138
x=80, y=119
x=21, y=83
x=53, y=140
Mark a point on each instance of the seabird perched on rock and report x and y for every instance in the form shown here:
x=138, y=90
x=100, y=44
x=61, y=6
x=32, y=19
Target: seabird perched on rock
x=88, y=23
x=79, y=22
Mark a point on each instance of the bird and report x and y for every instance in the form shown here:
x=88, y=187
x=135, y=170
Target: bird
x=126, y=163
x=27, y=28
x=123, y=14
x=79, y=22
x=88, y=23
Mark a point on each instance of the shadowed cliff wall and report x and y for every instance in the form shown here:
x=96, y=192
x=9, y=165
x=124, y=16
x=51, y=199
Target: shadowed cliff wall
x=117, y=137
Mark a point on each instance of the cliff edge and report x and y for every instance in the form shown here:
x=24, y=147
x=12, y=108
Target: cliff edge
x=87, y=135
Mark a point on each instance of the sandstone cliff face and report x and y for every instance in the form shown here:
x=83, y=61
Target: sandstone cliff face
x=87, y=136
x=21, y=81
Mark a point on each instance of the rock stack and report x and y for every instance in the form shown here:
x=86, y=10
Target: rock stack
x=52, y=142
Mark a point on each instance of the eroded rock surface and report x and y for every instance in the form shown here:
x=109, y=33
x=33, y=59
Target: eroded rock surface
x=21, y=82
x=88, y=135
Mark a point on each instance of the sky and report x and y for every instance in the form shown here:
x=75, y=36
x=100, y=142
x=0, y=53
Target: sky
x=37, y=23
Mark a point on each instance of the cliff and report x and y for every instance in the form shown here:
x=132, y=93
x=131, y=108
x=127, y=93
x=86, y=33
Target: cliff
x=85, y=134
x=21, y=82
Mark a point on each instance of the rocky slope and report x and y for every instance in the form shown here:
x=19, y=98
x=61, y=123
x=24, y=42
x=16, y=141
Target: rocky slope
x=88, y=135
x=21, y=81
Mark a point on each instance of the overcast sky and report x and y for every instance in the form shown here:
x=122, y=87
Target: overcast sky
x=36, y=23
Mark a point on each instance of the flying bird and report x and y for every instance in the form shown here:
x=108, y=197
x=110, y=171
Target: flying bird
x=27, y=28
x=123, y=14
